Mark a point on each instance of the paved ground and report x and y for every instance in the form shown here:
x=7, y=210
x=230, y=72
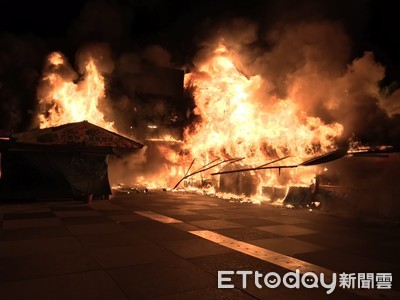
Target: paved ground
x=164, y=245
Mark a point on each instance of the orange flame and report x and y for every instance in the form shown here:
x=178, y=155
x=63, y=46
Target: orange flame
x=65, y=101
x=238, y=120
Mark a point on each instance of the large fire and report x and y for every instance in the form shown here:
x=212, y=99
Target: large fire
x=239, y=120
x=64, y=101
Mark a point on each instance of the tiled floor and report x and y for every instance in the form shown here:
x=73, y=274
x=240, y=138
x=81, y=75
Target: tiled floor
x=104, y=250
x=287, y=245
x=286, y=230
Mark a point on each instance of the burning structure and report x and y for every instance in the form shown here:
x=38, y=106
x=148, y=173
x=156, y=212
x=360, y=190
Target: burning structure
x=267, y=148
x=68, y=156
x=268, y=101
x=238, y=120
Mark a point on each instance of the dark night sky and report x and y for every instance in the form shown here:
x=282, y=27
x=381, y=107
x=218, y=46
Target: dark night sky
x=372, y=24
x=30, y=30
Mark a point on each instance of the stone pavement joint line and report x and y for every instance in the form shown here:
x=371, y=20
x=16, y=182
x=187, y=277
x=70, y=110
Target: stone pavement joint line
x=157, y=217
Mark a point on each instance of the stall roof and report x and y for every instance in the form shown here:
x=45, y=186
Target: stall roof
x=80, y=136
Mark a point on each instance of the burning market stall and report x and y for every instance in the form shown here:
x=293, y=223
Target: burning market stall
x=64, y=161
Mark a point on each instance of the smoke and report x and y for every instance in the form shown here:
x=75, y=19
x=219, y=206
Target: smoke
x=126, y=169
x=100, y=53
x=157, y=56
x=303, y=50
x=307, y=51
x=150, y=167
x=124, y=64
x=359, y=106
x=368, y=186
x=312, y=63
x=392, y=103
x=349, y=93
x=317, y=50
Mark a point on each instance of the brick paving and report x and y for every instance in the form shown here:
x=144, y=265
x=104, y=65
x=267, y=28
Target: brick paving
x=104, y=250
